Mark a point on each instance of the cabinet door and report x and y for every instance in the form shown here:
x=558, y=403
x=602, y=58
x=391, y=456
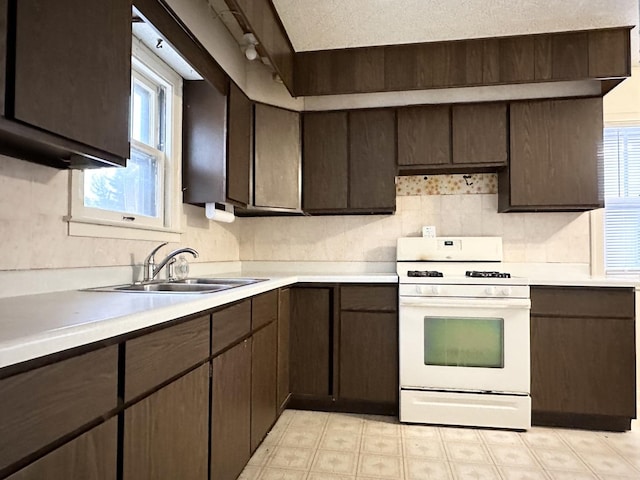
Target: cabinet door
x=369, y=356
x=583, y=366
x=325, y=169
x=277, y=158
x=310, y=334
x=372, y=160
x=231, y=412
x=204, y=143
x=480, y=134
x=609, y=53
x=166, y=435
x=554, y=155
x=240, y=155
x=424, y=135
x=562, y=56
x=284, y=320
x=73, y=70
x=263, y=382
x=91, y=456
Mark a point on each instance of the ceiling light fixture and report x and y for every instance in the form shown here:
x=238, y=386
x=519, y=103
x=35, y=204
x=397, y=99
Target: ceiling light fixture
x=249, y=43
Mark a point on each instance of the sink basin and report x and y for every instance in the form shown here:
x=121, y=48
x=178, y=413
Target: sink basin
x=187, y=285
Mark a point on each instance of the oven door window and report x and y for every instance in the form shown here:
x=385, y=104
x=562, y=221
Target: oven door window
x=464, y=342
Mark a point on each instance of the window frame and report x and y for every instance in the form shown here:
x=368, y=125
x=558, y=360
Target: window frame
x=93, y=222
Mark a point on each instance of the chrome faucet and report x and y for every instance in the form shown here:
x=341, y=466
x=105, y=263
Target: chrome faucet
x=151, y=270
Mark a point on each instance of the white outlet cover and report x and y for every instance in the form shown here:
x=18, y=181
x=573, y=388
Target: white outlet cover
x=429, y=231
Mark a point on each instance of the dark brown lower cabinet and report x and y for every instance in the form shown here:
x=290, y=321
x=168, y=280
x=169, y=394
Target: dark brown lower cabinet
x=284, y=320
x=310, y=341
x=369, y=356
x=583, y=362
x=91, y=456
x=166, y=434
x=263, y=382
x=231, y=412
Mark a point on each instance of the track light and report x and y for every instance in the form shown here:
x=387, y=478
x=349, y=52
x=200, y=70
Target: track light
x=249, y=43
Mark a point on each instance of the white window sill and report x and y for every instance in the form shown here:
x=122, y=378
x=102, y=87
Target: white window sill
x=79, y=227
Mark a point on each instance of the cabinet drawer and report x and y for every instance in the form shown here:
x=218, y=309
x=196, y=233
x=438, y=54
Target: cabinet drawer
x=583, y=302
x=379, y=298
x=42, y=405
x=229, y=325
x=158, y=356
x=265, y=309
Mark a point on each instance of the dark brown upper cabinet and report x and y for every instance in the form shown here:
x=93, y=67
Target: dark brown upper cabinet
x=452, y=138
x=589, y=54
x=65, y=90
x=240, y=151
x=554, y=156
x=204, y=166
x=349, y=161
x=277, y=159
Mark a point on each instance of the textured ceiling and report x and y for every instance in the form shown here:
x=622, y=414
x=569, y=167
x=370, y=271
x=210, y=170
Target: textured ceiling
x=329, y=24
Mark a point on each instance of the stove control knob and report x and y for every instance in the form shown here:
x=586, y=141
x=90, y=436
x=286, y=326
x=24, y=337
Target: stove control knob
x=490, y=290
x=505, y=291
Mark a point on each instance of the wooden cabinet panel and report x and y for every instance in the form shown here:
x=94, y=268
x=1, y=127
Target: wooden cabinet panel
x=229, y=325
x=240, y=153
x=380, y=298
x=42, y=405
x=405, y=67
x=609, y=53
x=369, y=356
x=372, y=159
x=479, y=133
x=583, y=366
x=88, y=104
x=508, y=60
x=4, y=5
x=204, y=143
x=91, y=456
x=155, y=358
x=166, y=434
x=264, y=309
x=325, y=162
x=284, y=322
x=562, y=56
x=310, y=332
x=424, y=135
x=263, y=382
x=231, y=412
x=555, y=154
x=582, y=302
x=277, y=158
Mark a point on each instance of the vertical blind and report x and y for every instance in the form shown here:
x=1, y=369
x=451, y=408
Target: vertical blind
x=622, y=199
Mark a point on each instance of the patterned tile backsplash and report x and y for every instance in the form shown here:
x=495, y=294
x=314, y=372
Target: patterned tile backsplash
x=447, y=184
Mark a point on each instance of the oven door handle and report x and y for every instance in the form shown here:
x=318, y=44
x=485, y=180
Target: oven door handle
x=502, y=303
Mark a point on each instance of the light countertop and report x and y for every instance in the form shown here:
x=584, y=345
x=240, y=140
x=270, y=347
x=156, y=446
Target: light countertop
x=32, y=326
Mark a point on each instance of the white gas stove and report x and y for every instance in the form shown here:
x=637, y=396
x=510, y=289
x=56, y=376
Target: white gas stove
x=464, y=334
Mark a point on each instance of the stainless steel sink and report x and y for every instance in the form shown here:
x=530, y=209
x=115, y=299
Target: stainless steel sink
x=187, y=285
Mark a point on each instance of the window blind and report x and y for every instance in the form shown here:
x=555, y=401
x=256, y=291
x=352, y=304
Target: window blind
x=622, y=199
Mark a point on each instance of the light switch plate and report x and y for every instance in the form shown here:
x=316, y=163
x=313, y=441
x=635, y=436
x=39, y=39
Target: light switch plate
x=429, y=231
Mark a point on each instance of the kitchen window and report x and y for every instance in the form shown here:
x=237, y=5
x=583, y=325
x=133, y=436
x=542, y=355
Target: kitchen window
x=622, y=199
x=141, y=201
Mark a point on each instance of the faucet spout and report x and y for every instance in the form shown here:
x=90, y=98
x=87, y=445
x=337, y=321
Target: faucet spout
x=169, y=257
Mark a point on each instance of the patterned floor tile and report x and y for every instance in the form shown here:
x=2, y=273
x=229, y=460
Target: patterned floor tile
x=291, y=457
x=501, y=437
x=381, y=445
x=560, y=460
x=328, y=476
x=341, y=441
x=474, y=471
x=310, y=420
x=459, y=434
x=512, y=455
x=381, y=428
x=419, y=431
x=466, y=452
x=335, y=462
x=380, y=466
x=262, y=455
x=522, y=473
x=345, y=423
x=250, y=473
x=270, y=473
x=543, y=438
x=609, y=464
x=426, y=469
x=301, y=437
x=563, y=475
x=424, y=448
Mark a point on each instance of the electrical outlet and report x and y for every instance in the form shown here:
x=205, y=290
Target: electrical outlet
x=429, y=231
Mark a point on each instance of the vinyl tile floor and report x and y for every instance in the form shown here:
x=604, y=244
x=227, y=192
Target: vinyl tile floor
x=306, y=445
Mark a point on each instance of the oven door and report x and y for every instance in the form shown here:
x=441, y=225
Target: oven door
x=465, y=344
